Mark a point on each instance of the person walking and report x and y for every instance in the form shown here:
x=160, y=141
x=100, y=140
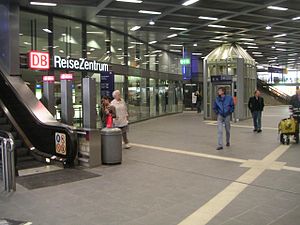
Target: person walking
x=199, y=101
x=223, y=107
x=121, y=120
x=106, y=109
x=256, y=106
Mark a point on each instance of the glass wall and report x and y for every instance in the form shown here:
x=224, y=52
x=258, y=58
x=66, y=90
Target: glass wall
x=147, y=96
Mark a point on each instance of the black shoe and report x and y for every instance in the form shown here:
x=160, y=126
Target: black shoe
x=219, y=148
x=254, y=130
x=228, y=144
x=259, y=131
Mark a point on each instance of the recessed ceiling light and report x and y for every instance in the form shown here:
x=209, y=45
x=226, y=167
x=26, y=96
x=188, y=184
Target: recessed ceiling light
x=291, y=59
x=177, y=28
x=195, y=44
x=47, y=30
x=217, y=41
x=268, y=27
x=189, y=2
x=151, y=22
x=20, y=34
x=130, y=1
x=279, y=35
x=280, y=42
x=280, y=49
x=293, y=54
x=277, y=8
x=63, y=34
x=172, y=35
x=95, y=32
x=88, y=53
x=216, y=26
x=175, y=45
x=207, y=18
x=149, y=12
x=197, y=53
x=136, y=43
x=246, y=39
x=92, y=49
x=156, y=51
x=61, y=51
x=175, y=50
x=43, y=3
x=296, y=18
x=132, y=46
x=26, y=43
x=152, y=42
x=107, y=40
x=249, y=43
x=273, y=47
x=257, y=53
x=135, y=28
x=252, y=47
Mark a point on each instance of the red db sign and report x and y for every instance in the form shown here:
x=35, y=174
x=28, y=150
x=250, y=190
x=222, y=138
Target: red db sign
x=39, y=60
x=66, y=76
x=48, y=78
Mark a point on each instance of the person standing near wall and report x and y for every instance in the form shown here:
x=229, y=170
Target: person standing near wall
x=256, y=106
x=121, y=120
x=223, y=107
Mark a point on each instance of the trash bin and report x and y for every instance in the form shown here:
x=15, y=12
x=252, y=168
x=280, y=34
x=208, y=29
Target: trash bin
x=111, y=146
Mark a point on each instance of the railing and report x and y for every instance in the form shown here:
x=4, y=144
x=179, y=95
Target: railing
x=8, y=161
x=274, y=91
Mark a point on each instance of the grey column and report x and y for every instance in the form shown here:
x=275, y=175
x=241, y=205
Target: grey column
x=9, y=38
x=89, y=102
x=48, y=93
x=67, y=111
x=205, y=97
x=240, y=106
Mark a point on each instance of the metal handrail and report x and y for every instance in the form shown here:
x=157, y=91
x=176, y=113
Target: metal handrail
x=8, y=161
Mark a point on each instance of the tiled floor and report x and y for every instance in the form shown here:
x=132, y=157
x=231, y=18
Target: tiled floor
x=157, y=185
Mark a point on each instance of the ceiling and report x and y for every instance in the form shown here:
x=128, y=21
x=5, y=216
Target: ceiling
x=243, y=22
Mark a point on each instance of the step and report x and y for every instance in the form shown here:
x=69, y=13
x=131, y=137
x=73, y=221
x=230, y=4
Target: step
x=22, y=152
x=5, y=127
x=3, y=120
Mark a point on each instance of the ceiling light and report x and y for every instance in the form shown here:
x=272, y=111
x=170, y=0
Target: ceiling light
x=256, y=53
x=132, y=46
x=291, y=59
x=63, y=34
x=88, y=53
x=189, y=2
x=217, y=41
x=249, y=43
x=151, y=22
x=268, y=27
x=149, y=12
x=172, y=35
x=95, y=32
x=43, y=3
x=20, y=34
x=272, y=58
x=177, y=28
x=120, y=49
x=252, y=47
x=26, y=43
x=130, y=1
x=175, y=50
x=280, y=42
x=47, y=30
x=207, y=18
x=273, y=47
x=293, y=54
x=156, y=51
x=280, y=49
x=135, y=28
x=246, y=39
x=107, y=40
x=195, y=45
x=277, y=8
x=197, y=53
x=152, y=42
x=136, y=43
x=175, y=45
x=279, y=35
x=296, y=18
x=61, y=51
x=216, y=26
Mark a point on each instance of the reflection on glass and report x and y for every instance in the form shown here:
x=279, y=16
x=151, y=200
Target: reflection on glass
x=96, y=45
x=153, y=93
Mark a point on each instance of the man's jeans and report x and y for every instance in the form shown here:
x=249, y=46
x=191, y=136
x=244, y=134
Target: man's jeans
x=223, y=120
x=256, y=120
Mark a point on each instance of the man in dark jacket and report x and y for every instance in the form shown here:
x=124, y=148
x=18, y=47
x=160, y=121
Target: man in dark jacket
x=295, y=100
x=256, y=106
x=223, y=107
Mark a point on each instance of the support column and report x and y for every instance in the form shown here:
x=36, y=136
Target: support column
x=67, y=111
x=48, y=93
x=89, y=103
x=9, y=38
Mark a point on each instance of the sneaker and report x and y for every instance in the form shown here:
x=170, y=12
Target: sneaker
x=259, y=131
x=219, y=148
x=254, y=130
x=228, y=144
x=127, y=146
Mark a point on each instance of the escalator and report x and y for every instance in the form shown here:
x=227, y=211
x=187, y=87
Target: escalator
x=32, y=125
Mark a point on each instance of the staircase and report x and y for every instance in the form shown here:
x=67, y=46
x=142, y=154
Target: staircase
x=278, y=96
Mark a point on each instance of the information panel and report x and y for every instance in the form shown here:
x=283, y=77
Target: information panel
x=107, y=84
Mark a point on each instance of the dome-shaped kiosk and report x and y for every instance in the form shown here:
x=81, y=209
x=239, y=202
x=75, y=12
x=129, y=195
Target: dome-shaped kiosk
x=232, y=67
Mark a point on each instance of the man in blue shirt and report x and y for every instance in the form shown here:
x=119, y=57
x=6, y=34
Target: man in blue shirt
x=223, y=107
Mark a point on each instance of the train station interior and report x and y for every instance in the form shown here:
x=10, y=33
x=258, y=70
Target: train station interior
x=115, y=112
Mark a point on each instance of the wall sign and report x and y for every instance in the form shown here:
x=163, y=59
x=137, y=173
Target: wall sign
x=107, y=83
x=66, y=76
x=39, y=60
x=79, y=64
x=60, y=143
x=221, y=79
x=48, y=78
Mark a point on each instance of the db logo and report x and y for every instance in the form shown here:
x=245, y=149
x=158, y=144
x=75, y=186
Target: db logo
x=39, y=60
